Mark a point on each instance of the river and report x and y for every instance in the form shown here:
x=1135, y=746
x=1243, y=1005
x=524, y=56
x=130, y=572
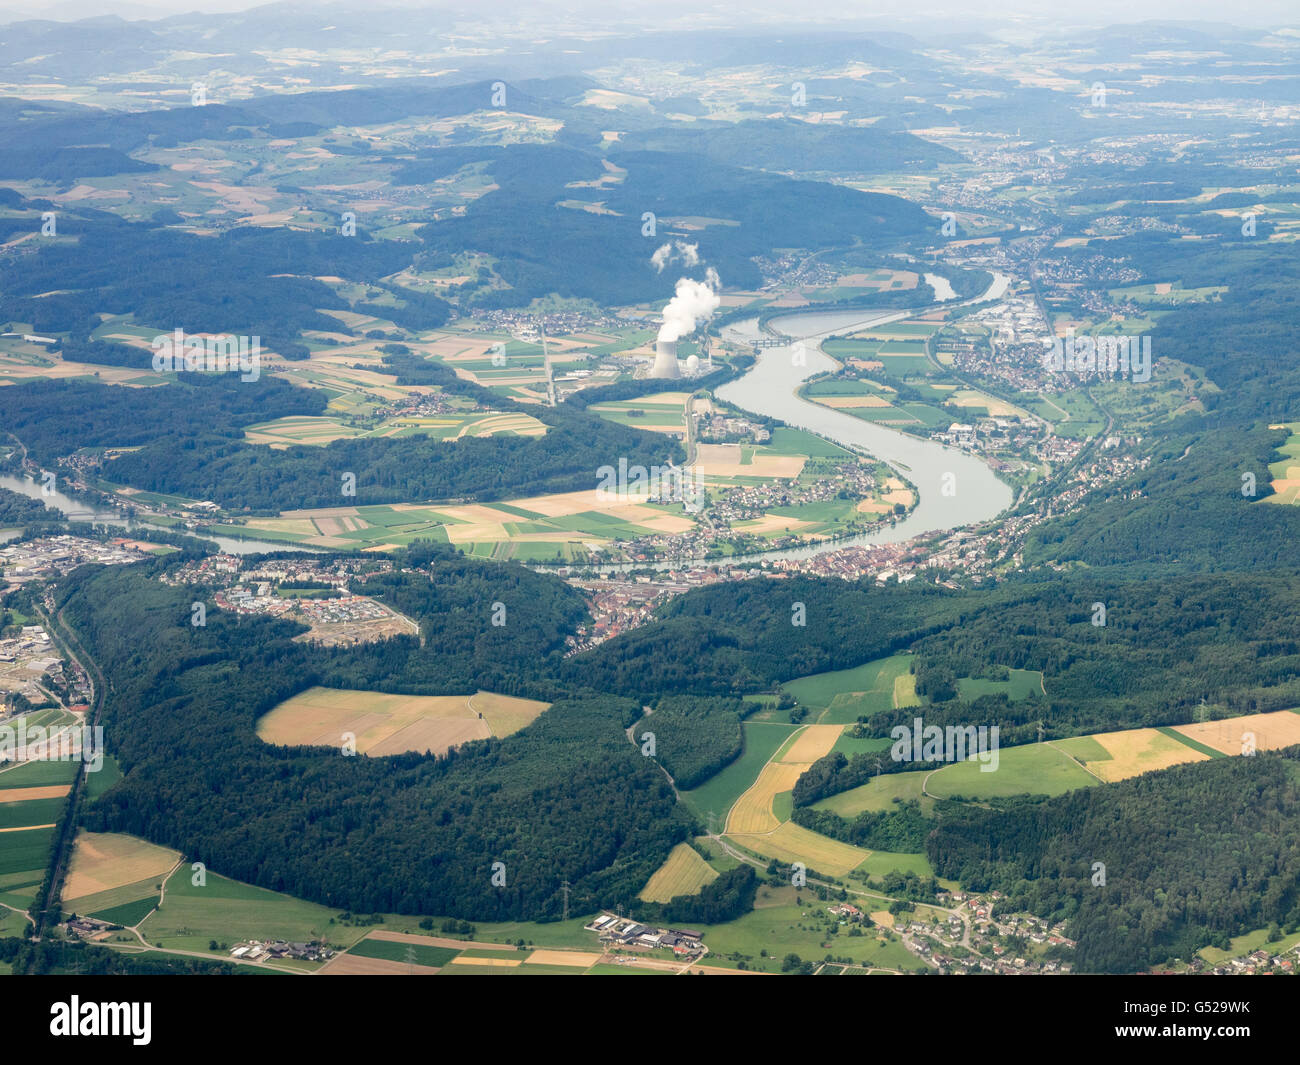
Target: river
x=80, y=510
x=956, y=488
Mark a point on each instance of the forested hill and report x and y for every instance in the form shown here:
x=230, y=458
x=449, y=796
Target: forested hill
x=1166, y=644
x=1193, y=856
x=1203, y=502
x=189, y=437
x=570, y=797
x=567, y=798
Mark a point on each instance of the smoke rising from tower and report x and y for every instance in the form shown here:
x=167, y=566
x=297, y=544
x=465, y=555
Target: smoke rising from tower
x=692, y=303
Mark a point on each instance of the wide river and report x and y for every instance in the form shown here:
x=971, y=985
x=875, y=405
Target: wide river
x=956, y=488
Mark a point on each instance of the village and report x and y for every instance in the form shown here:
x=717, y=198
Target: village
x=314, y=593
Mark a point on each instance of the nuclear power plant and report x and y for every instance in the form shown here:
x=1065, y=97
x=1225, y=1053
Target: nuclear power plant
x=665, y=367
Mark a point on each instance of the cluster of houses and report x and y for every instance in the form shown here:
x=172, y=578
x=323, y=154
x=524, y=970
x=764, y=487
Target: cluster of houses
x=256, y=950
x=623, y=931
x=1263, y=962
x=89, y=927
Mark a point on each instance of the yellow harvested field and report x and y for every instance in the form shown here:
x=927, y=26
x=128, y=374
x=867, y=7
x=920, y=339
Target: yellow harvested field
x=897, y=492
x=997, y=408
x=576, y=958
x=490, y=963
x=356, y=965
x=723, y=460
x=50, y=791
x=1270, y=731
x=667, y=523
x=434, y=735
x=289, y=431
x=112, y=375
x=683, y=873
x=1140, y=750
x=105, y=860
x=301, y=526
x=565, y=504
x=883, y=918
x=770, y=523
x=872, y=506
x=812, y=742
x=386, y=724
x=793, y=843
x=753, y=810
x=324, y=512
x=505, y=713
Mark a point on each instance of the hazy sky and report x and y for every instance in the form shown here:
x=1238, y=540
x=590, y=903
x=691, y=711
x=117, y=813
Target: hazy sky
x=1064, y=12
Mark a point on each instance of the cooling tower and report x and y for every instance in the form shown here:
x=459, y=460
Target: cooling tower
x=666, y=360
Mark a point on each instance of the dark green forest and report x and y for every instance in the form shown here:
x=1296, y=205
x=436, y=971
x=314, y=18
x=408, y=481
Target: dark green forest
x=1193, y=855
x=190, y=441
x=567, y=798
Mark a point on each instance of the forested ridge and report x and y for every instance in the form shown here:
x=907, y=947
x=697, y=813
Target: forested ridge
x=567, y=798
x=189, y=441
x=1193, y=855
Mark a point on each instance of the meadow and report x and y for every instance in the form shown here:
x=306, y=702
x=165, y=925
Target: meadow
x=841, y=696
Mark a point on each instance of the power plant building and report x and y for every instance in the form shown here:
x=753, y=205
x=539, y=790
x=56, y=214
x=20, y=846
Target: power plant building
x=665, y=365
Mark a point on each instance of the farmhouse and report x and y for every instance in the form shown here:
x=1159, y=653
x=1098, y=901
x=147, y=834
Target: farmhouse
x=627, y=932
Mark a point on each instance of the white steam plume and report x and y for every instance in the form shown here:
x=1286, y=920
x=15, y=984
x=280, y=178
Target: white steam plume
x=693, y=302
x=689, y=254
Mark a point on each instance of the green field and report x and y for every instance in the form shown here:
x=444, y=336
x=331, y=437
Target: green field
x=128, y=914
x=878, y=794
x=850, y=745
x=12, y=923
x=415, y=953
x=30, y=812
x=719, y=792
x=840, y=697
x=1021, y=684
x=108, y=775
x=1245, y=944
x=39, y=774
x=775, y=924
x=1071, y=412
x=882, y=862
x=1032, y=769
x=229, y=911
x=25, y=851
x=786, y=441
x=1289, y=449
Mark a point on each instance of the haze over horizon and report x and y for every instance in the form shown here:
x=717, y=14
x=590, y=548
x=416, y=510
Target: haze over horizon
x=943, y=17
